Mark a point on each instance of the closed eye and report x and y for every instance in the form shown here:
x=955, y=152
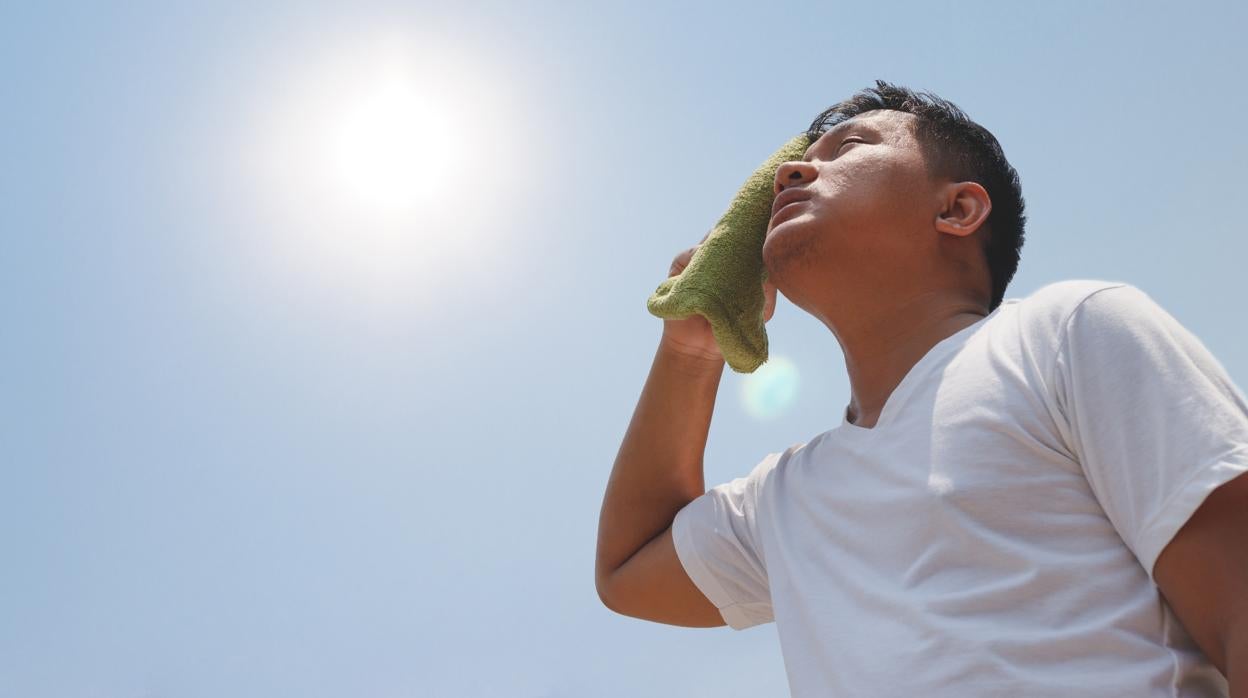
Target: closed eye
x=851, y=139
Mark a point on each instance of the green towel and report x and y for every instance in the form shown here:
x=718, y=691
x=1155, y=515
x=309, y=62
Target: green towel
x=724, y=279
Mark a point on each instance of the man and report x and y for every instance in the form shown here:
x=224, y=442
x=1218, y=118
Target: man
x=1036, y=496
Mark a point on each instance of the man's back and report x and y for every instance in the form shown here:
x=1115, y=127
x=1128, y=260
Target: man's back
x=996, y=529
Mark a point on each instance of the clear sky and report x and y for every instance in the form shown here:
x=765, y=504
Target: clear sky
x=281, y=415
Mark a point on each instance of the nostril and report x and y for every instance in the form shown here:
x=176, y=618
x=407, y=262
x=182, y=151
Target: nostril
x=795, y=175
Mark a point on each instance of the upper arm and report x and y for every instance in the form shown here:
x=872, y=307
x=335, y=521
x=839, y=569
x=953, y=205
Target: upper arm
x=707, y=567
x=1161, y=432
x=1203, y=571
x=1151, y=415
x=653, y=585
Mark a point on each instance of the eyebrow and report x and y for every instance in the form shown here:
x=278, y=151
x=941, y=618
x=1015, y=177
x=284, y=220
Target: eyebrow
x=845, y=125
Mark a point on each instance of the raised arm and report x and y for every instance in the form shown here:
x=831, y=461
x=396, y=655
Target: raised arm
x=657, y=471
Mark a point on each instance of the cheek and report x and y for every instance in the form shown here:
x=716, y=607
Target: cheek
x=852, y=202
x=872, y=190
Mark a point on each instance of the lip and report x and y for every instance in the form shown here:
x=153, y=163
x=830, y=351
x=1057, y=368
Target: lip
x=786, y=197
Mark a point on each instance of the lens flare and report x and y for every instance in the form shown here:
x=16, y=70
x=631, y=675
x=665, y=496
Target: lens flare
x=770, y=390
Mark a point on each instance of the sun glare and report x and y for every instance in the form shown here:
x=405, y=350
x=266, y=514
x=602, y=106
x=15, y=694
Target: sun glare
x=390, y=148
x=381, y=166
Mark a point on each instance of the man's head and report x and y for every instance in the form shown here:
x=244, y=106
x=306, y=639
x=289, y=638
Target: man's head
x=899, y=191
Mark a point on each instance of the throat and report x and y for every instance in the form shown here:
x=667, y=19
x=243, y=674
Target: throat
x=868, y=422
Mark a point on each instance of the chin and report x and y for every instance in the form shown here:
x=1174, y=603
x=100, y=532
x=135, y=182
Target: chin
x=787, y=248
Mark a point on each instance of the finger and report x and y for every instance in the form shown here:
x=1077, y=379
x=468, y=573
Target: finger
x=681, y=261
x=769, y=300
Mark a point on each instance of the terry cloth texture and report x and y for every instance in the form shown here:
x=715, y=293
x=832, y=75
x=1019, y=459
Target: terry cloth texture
x=724, y=279
x=995, y=532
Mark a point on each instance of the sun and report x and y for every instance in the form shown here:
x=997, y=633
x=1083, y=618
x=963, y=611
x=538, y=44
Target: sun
x=390, y=148
x=381, y=164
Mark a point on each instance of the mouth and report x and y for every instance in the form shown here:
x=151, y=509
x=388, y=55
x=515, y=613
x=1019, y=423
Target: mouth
x=786, y=197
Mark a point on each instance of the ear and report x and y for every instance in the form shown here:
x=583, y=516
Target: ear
x=964, y=208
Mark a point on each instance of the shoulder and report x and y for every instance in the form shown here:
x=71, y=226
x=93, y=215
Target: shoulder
x=1061, y=298
x=1116, y=327
x=771, y=466
x=1050, y=309
x=777, y=461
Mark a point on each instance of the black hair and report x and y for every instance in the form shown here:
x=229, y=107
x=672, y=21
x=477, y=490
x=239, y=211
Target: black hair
x=957, y=148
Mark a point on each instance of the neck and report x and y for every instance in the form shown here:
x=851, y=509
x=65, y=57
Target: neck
x=881, y=345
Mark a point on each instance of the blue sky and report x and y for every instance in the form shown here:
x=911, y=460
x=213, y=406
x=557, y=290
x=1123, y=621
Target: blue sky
x=264, y=435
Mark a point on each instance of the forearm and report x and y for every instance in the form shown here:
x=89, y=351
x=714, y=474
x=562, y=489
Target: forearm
x=658, y=469
x=1237, y=661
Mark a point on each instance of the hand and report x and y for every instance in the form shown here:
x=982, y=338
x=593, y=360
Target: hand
x=692, y=336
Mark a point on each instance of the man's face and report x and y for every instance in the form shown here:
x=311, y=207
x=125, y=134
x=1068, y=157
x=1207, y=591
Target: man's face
x=865, y=194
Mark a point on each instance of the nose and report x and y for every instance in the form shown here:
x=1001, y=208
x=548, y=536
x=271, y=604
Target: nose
x=793, y=173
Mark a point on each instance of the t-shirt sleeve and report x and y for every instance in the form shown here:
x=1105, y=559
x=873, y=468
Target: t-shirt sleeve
x=716, y=539
x=1153, y=417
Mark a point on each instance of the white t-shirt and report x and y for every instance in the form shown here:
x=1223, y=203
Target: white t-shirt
x=995, y=532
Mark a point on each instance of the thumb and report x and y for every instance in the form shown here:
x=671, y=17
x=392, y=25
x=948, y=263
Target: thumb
x=769, y=300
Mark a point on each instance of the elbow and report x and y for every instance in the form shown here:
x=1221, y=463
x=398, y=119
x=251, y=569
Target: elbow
x=617, y=599
x=602, y=582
